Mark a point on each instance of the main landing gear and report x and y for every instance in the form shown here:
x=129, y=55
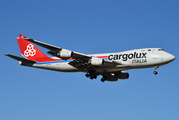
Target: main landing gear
x=91, y=74
x=155, y=72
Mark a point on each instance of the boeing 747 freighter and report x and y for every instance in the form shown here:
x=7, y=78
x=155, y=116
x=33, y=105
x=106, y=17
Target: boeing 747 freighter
x=109, y=65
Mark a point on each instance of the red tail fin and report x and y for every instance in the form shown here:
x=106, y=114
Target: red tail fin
x=29, y=50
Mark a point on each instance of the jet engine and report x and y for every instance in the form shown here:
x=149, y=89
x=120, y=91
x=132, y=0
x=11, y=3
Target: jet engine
x=96, y=61
x=65, y=54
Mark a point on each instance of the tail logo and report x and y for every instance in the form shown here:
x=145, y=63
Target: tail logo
x=30, y=51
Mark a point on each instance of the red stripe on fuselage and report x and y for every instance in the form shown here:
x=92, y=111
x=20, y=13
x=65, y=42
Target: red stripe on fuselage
x=48, y=59
x=101, y=56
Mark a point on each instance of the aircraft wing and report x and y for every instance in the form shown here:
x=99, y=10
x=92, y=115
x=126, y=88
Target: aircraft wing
x=57, y=49
x=81, y=60
x=19, y=58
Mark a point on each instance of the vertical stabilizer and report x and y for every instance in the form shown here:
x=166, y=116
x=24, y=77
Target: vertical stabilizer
x=29, y=50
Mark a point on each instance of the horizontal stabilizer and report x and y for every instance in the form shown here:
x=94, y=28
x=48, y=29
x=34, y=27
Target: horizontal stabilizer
x=20, y=59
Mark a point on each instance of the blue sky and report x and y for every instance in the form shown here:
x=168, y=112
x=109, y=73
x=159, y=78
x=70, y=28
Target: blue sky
x=98, y=26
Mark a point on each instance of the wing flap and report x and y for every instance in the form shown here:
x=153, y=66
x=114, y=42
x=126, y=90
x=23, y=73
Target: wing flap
x=80, y=59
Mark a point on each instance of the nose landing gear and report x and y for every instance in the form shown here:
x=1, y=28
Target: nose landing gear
x=155, y=72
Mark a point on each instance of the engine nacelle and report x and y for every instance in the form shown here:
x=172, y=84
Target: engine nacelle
x=121, y=75
x=97, y=61
x=65, y=54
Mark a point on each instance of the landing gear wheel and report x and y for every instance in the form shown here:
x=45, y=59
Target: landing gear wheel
x=91, y=77
x=91, y=74
x=155, y=72
x=87, y=75
x=102, y=80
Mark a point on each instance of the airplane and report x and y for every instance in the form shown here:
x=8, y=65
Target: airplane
x=110, y=65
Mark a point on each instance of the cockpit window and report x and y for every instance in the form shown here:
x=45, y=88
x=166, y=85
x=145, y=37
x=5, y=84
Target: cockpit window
x=160, y=50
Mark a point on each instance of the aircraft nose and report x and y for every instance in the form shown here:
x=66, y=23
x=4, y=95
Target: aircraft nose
x=169, y=57
x=172, y=57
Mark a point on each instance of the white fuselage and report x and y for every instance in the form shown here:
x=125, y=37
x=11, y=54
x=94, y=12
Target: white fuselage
x=133, y=59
